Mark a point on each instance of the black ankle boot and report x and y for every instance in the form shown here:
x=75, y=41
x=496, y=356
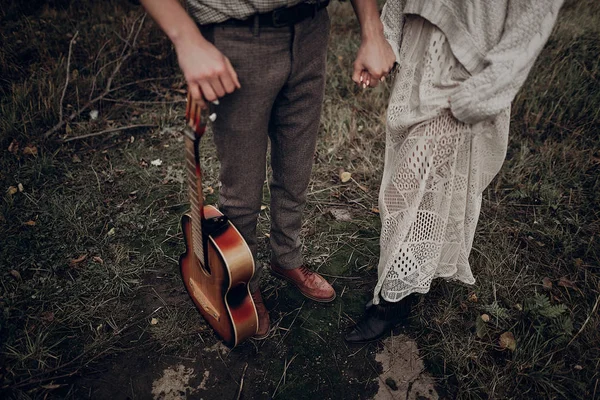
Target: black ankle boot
x=379, y=320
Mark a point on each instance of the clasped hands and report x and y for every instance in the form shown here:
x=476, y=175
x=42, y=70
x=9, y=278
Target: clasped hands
x=210, y=75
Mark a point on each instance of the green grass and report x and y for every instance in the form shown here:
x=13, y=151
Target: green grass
x=63, y=324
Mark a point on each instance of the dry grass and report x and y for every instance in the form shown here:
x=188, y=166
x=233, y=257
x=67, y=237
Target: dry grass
x=99, y=197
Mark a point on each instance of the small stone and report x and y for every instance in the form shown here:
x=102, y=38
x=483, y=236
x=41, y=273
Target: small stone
x=391, y=383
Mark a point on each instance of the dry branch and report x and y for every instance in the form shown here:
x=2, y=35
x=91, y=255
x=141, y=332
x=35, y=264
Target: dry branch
x=122, y=128
x=62, y=97
x=126, y=52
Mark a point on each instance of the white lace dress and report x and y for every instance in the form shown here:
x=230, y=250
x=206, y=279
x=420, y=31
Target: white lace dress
x=436, y=169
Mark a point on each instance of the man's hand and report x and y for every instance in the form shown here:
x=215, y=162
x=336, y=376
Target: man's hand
x=374, y=61
x=209, y=74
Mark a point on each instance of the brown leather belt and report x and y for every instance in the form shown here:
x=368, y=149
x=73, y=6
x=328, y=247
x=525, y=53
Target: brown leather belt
x=285, y=16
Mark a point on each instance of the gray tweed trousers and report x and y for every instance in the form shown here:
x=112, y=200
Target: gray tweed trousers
x=282, y=77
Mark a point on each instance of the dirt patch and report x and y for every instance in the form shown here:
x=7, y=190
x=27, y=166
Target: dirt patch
x=174, y=384
x=404, y=375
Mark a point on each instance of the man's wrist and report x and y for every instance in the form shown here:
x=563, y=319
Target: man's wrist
x=181, y=35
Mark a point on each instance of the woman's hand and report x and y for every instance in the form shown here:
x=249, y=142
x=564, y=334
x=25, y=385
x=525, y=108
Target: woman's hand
x=374, y=61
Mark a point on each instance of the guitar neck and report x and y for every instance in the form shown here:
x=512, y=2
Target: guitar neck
x=194, y=175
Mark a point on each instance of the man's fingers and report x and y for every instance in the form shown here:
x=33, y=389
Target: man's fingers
x=194, y=91
x=197, y=96
x=207, y=91
x=232, y=73
x=217, y=87
x=227, y=83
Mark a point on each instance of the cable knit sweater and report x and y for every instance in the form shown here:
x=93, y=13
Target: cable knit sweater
x=496, y=41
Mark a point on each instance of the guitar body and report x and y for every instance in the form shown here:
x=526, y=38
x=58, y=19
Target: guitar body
x=218, y=286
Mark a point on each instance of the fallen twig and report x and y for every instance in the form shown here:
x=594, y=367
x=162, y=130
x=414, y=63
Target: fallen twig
x=62, y=97
x=586, y=321
x=290, y=327
x=286, y=365
x=122, y=128
x=242, y=382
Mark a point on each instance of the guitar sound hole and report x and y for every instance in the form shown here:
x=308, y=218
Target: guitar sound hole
x=236, y=295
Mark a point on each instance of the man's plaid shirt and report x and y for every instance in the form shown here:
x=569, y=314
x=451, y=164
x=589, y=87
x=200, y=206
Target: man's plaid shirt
x=213, y=11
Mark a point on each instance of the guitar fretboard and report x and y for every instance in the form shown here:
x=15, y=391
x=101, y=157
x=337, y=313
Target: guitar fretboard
x=194, y=175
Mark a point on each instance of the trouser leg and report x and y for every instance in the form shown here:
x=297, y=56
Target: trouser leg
x=262, y=63
x=293, y=131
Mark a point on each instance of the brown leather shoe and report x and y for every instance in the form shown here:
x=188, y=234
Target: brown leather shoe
x=264, y=321
x=310, y=284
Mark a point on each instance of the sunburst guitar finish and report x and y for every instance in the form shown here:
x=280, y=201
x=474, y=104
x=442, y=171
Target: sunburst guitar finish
x=217, y=264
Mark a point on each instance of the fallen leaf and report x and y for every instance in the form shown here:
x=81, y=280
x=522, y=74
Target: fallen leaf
x=375, y=210
x=16, y=274
x=30, y=151
x=209, y=190
x=98, y=260
x=13, y=147
x=564, y=282
x=157, y=163
x=154, y=321
x=485, y=318
x=345, y=176
x=21, y=188
x=547, y=283
x=473, y=297
x=74, y=262
x=340, y=214
x=47, y=316
x=268, y=235
x=507, y=341
x=94, y=115
x=111, y=232
x=480, y=328
x=51, y=386
x=12, y=190
x=578, y=367
x=29, y=223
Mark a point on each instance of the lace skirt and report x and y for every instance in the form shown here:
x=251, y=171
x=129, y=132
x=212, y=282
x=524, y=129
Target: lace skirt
x=436, y=169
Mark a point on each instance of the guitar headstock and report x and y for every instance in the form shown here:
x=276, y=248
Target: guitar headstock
x=194, y=118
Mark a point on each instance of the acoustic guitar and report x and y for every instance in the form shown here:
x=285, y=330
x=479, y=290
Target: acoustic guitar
x=217, y=264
